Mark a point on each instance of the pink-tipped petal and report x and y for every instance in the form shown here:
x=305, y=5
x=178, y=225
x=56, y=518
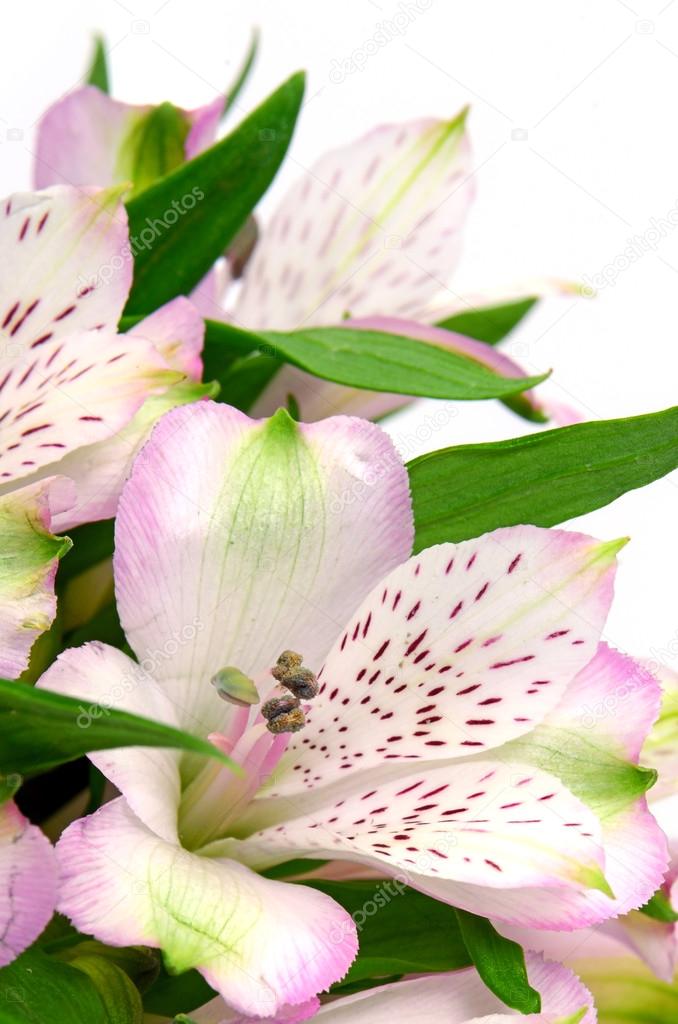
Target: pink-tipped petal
x=177, y=331
x=460, y=998
x=28, y=882
x=217, y=1012
x=261, y=944
x=261, y=536
x=148, y=777
x=660, y=750
x=29, y=556
x=71, y=392
x=460, y=649
x=65, y=267
x=374, y=227
x=204, y=122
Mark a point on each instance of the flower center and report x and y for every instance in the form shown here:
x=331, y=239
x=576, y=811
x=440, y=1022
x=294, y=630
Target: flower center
x=214, y=800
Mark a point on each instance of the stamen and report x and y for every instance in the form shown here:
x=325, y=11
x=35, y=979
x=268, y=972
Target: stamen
x=283, y=714
x=290, y=672
x=234, y=686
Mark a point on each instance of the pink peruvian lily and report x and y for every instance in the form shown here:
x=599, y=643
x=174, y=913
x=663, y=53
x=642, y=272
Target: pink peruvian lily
x=458, y=998
x=76, y=398
x=28, y=882
x=442, y=742
x=88, y=138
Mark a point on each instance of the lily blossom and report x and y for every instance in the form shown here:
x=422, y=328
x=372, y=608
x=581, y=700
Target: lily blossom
x=76, y=398
x=440, y=742
x=28, y=882
x=456, y=998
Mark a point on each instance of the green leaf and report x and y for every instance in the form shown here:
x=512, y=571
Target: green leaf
x=177, y=993
x=293, y=867
x=372, y=360
x=243, y=74
x=542, y=479
x=500, y=963
x=39, y=990
x=92, y=543
x=119, y=996
x=183, y=223
x=659, y=908
x=98, y=69
x=490, y=324
x=41, y=729
x=400, y=930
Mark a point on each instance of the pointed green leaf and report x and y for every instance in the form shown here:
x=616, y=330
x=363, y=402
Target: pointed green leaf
x=659, y=908
x=371, y=360
x=35, y=989
x=183, y=223
x=98, y=69
x=243, y=74
x=542, y=479
x=41, y=729
x=500, y=963
x=490, y=324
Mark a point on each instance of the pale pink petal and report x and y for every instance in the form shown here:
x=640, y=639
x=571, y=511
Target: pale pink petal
x=263, y=536
x=217, y=1012
x=65, y=266
x=100, y=470
x=29, y=556
x=82, y=139
x=460, y=649
x=147, y=776
x=204, y=122
x=28, y=882
x=177, y=331
x=476, y=822
x=261, y=944
x=460, y=998
x=73, y=391
x=374, y=227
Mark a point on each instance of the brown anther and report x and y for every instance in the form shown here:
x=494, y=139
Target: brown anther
x=288, y=662
x=283, y=714
x=302, y=682
x=290, y=721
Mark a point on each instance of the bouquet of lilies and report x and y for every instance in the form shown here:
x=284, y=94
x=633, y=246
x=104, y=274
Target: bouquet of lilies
x=290, y=729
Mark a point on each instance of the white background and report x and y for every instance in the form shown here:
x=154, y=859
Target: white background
x=574, y=126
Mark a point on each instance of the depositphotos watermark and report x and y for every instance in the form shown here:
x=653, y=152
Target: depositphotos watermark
x=154, y=228
x=384, y=32
x=636, y=247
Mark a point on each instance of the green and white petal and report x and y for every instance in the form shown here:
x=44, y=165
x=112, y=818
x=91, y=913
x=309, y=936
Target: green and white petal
x=29, y=556
x=258, y=536
x=373, y=228
x=261, y=944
